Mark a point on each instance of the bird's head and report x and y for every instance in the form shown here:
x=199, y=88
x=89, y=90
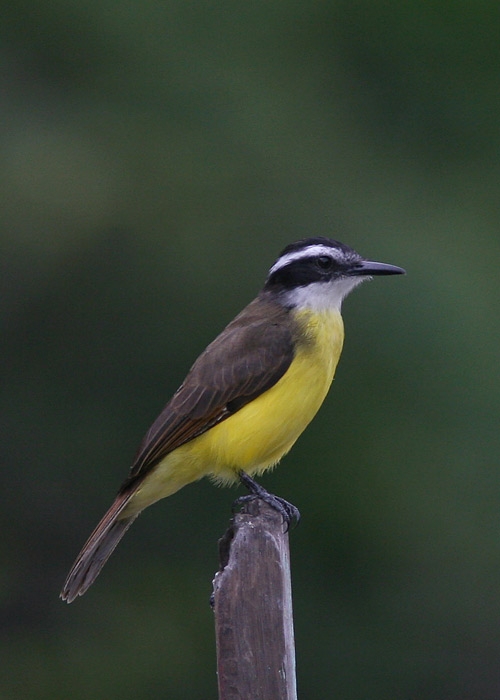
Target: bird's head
x=320, y=272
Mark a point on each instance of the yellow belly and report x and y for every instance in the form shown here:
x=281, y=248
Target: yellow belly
x=260, y=433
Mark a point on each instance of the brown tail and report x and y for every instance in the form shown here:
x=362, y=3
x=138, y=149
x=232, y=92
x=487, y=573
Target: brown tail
x=97, y=549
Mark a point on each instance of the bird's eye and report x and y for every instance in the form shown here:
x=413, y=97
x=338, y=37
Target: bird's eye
x=324, y=262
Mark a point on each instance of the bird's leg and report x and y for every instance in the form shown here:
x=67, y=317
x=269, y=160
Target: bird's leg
x=289, y=512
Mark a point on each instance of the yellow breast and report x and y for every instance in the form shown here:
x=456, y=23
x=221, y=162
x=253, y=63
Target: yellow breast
x=260, y=433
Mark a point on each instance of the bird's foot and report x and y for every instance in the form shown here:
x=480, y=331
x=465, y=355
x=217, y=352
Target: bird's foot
x=289, y=512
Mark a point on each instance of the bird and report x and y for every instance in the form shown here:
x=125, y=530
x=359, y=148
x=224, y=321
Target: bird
x=248, y=396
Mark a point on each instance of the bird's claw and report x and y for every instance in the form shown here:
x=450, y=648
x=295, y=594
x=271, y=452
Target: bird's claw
x=289, y=512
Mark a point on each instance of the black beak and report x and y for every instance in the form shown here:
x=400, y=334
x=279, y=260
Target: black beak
x=368, y=267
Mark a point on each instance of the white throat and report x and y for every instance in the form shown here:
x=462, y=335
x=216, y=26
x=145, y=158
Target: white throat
x=320, y=296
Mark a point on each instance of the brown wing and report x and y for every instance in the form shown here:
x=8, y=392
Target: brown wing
x=250, y=355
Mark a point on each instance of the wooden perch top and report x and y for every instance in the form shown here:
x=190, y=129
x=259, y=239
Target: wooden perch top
x=253, y=608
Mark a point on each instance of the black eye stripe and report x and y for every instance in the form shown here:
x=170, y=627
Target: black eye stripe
x=304, y=271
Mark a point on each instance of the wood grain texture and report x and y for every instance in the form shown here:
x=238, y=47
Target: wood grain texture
x=253, y=609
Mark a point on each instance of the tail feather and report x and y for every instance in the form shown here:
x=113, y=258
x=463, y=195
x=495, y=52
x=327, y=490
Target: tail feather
x=97, y=550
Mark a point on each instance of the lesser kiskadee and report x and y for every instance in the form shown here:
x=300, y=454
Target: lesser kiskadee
x=248, y=396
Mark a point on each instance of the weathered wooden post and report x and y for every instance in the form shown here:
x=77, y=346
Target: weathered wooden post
x=253, y=608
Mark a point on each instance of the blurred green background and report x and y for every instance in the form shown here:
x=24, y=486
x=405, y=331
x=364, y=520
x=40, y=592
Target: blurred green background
x=155, y=158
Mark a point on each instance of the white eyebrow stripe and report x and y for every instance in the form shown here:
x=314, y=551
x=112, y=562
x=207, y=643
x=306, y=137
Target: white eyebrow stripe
x=310, y=251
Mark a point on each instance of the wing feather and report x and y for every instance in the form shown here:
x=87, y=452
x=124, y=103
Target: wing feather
x=250, y=355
